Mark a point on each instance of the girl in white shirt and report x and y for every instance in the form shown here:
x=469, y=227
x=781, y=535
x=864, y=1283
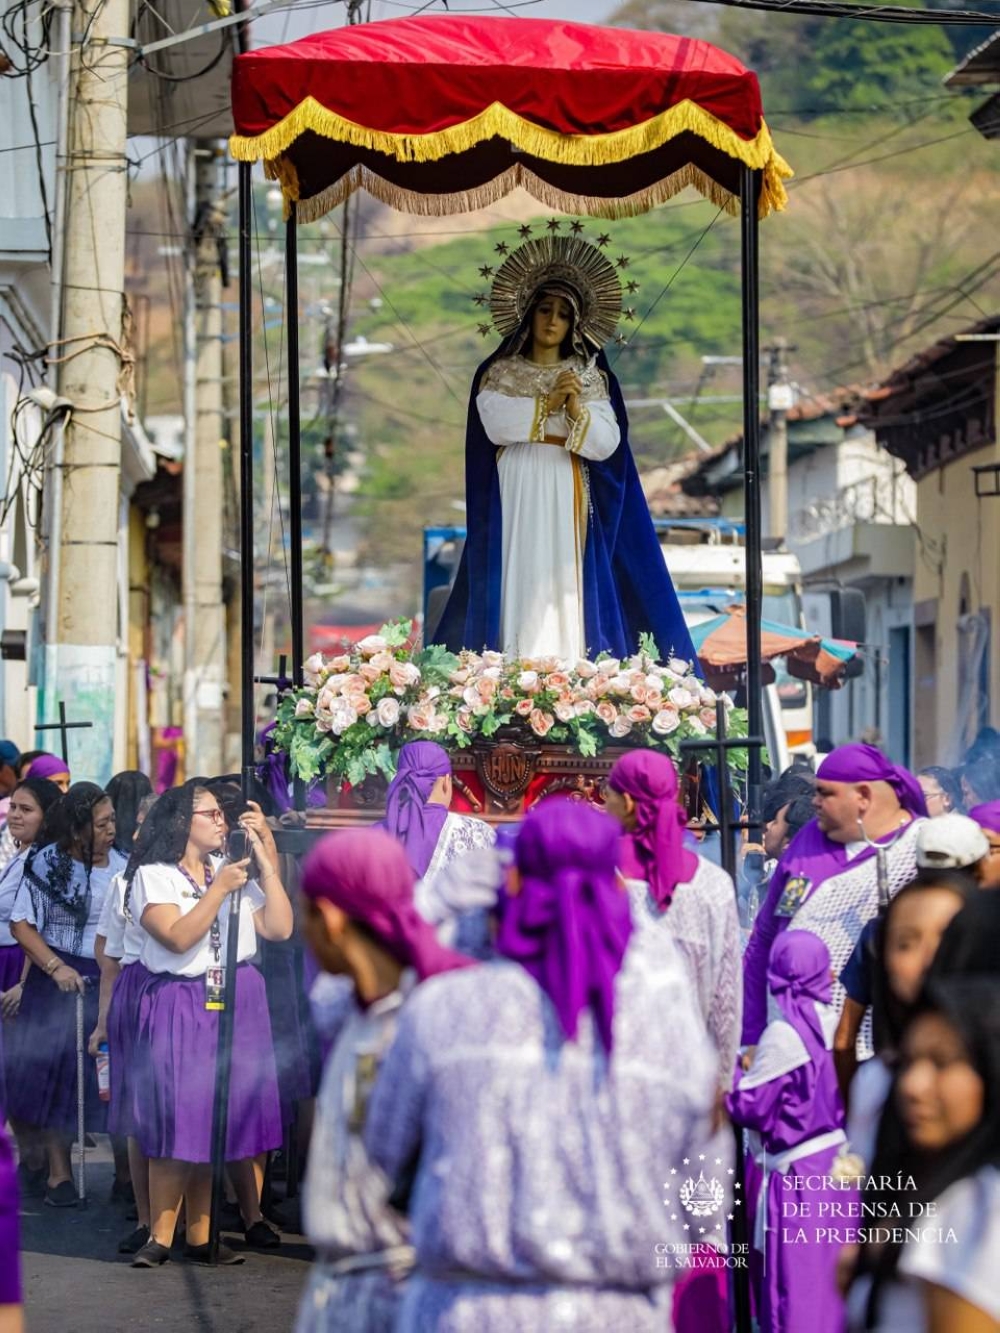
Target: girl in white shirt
x=939, y=1151
x=182, y=895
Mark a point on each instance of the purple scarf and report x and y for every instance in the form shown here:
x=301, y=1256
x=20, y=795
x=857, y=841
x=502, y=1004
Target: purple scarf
x=408, y=817
x=798, y=976
x=272, y=772
x=47, y=766
x=865, y=763
x=367, y=875
x=568, y=924
x=987, y=815
x=654, y=850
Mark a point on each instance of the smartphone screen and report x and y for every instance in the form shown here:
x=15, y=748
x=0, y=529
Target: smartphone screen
x=238, y=845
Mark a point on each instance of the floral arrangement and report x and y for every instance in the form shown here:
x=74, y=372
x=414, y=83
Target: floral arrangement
x=357, y=709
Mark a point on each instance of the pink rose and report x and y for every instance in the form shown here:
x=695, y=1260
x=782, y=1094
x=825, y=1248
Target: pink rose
x=556, y=680
x=547, y=664
x=639, y=693
x=585, y=670
x=349, y=684
x=388, y=711
x=654, y=700
x=506, y=693
x=523, y=707
x=312, y=669
x=639, y=713
x=600, y=686
x=541, y=723
x=564, y=711
x=326, y=697
x=403, y=674
x=666, y=721
x=381, y=662
x=340, y=663
x=487, y=688
x=304, y=708
x=369, y=671
x=470, y=696
x=464, y=718
x=607, y=712
x=582, y=707
x=459, y=677
x=620, y=727
x=359, y=702
x=420, y=717
x=697, y=726
x=372, y=644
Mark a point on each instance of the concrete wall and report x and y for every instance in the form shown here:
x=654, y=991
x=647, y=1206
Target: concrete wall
x=957, y=580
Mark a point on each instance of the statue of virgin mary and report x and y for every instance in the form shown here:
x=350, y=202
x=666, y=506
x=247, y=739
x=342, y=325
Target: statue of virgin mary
x=561, y=558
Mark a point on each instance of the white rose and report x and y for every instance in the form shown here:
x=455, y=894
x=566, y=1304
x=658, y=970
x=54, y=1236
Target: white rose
x=680, y=697
x=493, y=661
x=493, y=672
x=610, y=666
x=667, y=720
x=372, y=719
x=313, y=668
x=304, y=708
x=621, y=684
x=697, y=726
x=583, y=707
x=679, y=667
x=564, y=712
x=620, y=727
x=585, y=670
x=707, y=696
x=342, y=715
x=470, y=696
x=528, y=681
x=654, y=681
x=372, y=644
x=388, y=711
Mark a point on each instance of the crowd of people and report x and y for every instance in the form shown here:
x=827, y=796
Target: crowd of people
x=562, y=1077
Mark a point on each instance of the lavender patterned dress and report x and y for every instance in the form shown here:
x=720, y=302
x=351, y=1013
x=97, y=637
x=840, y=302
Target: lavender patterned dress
x=538, y=1202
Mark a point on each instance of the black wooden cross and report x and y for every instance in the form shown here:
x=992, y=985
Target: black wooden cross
x=62, y=726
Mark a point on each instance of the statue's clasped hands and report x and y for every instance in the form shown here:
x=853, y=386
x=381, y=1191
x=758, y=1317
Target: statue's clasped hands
x=565, y=394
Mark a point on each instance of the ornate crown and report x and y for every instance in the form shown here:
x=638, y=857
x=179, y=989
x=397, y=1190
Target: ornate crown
x=553, y=258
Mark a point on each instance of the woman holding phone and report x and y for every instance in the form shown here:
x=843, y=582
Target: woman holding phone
x=181, y=893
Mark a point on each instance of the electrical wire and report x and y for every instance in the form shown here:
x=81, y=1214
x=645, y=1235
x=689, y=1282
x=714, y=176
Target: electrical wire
x=867, y=13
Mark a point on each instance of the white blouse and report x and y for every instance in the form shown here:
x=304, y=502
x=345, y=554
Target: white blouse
x=56, y=937
x=166, y=884
x=123, y=936
x=10, y=882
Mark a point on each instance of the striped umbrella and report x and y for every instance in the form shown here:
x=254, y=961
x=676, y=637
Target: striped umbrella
x=721, y=645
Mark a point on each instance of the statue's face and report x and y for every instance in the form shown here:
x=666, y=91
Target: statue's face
x=551, y=321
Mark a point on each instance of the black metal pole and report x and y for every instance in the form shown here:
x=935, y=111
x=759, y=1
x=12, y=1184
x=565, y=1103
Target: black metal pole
x=294, y=443
x=224, y=1049
x=750, y=186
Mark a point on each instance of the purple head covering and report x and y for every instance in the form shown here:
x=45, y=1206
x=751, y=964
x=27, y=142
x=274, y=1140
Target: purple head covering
x=866, y=763
x=408, y=817
x=654, y=850
x=47, y=766
x=367, y=875
x=798, y=976
x=568, y=924
x=987, y=815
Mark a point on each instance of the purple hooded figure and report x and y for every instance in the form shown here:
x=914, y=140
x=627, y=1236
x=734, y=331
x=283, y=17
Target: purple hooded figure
x=410, y=815
x=789, y=1096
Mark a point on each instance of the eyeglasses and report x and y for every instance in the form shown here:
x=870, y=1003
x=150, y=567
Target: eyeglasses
x=216, y=816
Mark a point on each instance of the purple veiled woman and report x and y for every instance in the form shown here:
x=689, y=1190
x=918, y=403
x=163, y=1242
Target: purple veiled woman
x=789, y=1096
x=543, y=1095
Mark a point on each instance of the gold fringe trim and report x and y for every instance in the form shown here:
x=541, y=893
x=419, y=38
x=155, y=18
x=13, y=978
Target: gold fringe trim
x=497, y=121
x=772, y=199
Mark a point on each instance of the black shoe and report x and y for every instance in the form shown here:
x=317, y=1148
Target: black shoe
x=152, y=1255
x=133, y=1243
x=261, y=1237
x=201, y=1254
x=31, y=1181
x=122, y=1192
x=63, y=1195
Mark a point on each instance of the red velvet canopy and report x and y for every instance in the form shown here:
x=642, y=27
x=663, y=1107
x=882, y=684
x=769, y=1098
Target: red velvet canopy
x=441, y=114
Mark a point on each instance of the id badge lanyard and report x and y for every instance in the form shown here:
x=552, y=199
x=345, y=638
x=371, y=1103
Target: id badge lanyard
x=215, y=973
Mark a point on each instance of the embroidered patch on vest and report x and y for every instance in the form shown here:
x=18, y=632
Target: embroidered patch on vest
x=794, y=895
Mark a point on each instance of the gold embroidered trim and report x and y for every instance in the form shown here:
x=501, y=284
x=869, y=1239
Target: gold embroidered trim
x=578, y=431
x=537, y=434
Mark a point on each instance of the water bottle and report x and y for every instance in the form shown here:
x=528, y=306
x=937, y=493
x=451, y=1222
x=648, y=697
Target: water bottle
x=103, y=1061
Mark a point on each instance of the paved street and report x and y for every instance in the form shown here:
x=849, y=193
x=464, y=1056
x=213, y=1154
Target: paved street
x=75, y=1280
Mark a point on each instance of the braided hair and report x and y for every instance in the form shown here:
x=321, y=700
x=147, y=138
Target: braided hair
x=127, y=791
x=163, y=837
x=55, y=885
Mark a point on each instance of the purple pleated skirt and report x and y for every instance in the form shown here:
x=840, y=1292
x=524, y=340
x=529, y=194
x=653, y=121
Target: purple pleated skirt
x=11, y=963
x=174, y=1076
x=291, y=1024
x=41, y=1053
x=123, y=1023
x=10, y=1262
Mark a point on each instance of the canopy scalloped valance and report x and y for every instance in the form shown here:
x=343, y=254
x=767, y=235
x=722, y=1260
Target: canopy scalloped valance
x=440, y=114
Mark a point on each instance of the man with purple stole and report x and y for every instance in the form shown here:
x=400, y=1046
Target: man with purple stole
x=827, y=881
x=789, y=1096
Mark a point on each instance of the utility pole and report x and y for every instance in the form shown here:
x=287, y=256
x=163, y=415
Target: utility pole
x=204, y=487
x=780, y=399
x=81, y=652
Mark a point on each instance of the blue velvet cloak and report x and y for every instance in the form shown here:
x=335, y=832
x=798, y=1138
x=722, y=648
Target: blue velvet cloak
x=626, y=587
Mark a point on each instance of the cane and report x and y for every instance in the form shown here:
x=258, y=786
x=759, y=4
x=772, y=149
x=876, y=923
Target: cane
x=81, y=1135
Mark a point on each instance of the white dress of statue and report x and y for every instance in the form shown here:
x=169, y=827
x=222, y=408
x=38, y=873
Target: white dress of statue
x=545, y=413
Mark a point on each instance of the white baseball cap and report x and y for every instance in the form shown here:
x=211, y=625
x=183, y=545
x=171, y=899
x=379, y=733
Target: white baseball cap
x=950, y=842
